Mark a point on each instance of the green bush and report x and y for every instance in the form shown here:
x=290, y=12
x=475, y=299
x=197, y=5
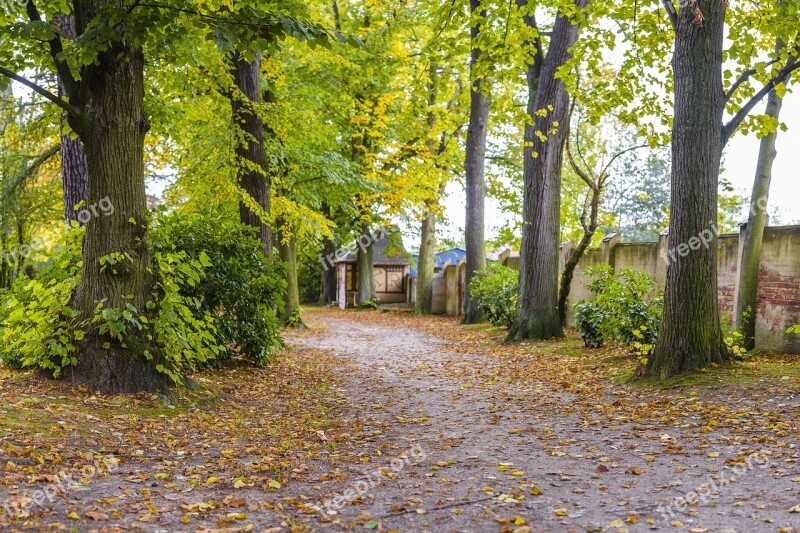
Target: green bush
x=589, y=318
x=241, y=290
x=626, y=308
x=40, y=329
x=495, y=291
x=372, y=303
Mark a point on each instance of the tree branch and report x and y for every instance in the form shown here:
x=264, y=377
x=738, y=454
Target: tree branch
x=671, y=13
x=737, y=119
x=743, y=78
x=30, y=169
x=56, y=49
x=44, y=92
x=589, y=181
x=620, y=154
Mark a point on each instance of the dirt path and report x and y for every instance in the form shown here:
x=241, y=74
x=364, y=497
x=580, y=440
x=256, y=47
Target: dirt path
x=489, y=453
x=385, y=422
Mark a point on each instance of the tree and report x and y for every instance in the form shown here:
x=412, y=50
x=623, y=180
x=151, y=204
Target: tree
x=595, y=182
x=74, y=174
x=475, y=183
x=29, y=195
x=691, y=336
x=287, y=249
x=756, y=221
x=103, y=76
x=537, y=307
x=327, y=294
x=435, y=173
x=252, y=173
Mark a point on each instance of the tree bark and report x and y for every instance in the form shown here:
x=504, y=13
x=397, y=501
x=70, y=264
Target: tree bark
x=754, y=231
x=425, y=266
x=74, y=172
x=427, y=248
x=328, y=277
x=690, y=336
x=252, y=173
x=480, y=102
x=112, y=126
x=589, y=229
x=365, y=265
x=548, y=106
x=288, y=254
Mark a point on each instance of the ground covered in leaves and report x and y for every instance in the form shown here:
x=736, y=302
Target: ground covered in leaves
x=383, y=421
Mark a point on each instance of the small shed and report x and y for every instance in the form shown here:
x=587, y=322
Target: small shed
x=390, y=270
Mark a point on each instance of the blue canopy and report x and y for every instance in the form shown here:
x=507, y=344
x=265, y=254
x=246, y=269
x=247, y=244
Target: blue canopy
x=454, y=255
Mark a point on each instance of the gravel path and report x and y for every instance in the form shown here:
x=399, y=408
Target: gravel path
x=453, y=449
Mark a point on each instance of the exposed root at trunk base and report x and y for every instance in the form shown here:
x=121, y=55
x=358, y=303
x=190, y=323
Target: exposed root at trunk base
x=116, y=371
x=667, y=361
x=472, y=314
x=535, y=326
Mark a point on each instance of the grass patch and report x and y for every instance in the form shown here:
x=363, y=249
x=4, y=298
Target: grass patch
x=773, y=369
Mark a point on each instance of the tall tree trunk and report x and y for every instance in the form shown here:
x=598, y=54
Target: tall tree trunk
x=328, y=276
x=365, y=266
x=252, y=174
x=74, y=172
x=112, y=127
x=537, y=308
x=480, y=102
x=754, y=231
x=589, y=228
x=327, y=293
x=690, y=336
x=288, y=254
x=427, y=248
x=425, y=266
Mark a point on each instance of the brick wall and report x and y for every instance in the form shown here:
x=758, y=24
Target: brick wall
x=778, y=304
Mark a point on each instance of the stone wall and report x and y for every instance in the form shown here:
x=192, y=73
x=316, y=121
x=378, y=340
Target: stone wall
x=778, y=304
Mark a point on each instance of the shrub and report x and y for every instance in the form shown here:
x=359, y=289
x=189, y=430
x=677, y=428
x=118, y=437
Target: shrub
x=372, y=303
x=41, y=329
x=626, y=308
x=38, y=326
x=495, y=291
x=733, y=338
x=242, y=291
x=589, y=318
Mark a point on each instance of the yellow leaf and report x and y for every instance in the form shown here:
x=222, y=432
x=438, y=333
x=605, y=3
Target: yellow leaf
x=560, y=512
x=73, y=515
x=616, y=523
